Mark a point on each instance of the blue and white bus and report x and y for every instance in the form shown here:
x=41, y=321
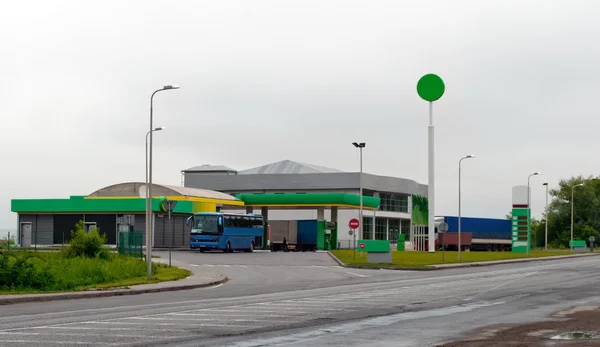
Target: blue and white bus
x=226, y=231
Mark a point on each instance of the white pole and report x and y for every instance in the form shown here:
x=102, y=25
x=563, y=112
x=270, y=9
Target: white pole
x=360, y=224
x=572, y=210
x=546, y=236
x=459, y=208
x=431, y=188
x=529, y=207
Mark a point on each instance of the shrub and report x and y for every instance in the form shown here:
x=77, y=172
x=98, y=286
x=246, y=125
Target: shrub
x=19, y=271
x=87, y=244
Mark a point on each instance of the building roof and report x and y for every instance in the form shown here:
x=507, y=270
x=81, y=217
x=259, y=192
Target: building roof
x=288, y=167
x=210, y=168
x=129, y=189
x=338, y=181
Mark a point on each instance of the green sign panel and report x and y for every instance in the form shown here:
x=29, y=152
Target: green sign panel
x=431, y=87
x=577, y=244
x=521, y=230
x=373, y=246
x=420, y=210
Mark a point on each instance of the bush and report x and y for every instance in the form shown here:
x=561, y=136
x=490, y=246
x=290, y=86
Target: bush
x=87, y=244
x=54, y=271
x=19, y=271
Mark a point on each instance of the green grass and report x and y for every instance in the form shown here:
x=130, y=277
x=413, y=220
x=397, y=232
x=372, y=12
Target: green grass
x=424, y=259
x=71, y=274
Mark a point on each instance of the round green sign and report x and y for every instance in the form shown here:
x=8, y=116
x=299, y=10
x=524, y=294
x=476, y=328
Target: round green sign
x=431, y=87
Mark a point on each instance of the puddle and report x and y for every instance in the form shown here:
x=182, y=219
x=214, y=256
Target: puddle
x=573, y=336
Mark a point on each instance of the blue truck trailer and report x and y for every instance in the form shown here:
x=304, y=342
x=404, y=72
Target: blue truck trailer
x=487, y=234
x=293, y=235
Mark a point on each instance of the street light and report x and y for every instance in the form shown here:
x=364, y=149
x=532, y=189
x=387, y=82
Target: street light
x=572, y=203
x=148, y=133
x=360, y=146
x=546, y=235
x=149, y=187
x=529, y=207
x=459, y=199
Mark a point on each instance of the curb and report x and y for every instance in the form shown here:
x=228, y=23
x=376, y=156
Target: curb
x=515, y=261
x=107, y=293
x=437, y=267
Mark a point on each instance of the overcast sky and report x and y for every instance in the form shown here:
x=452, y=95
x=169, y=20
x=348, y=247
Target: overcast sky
x=263, y=81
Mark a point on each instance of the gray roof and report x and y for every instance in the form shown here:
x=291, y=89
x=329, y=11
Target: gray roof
x=288, y=167
x=139, y=189
x=304, y=182
x=210, y=168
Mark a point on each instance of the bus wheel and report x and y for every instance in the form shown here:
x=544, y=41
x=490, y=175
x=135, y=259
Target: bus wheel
x=201, y=250
x=251, y=249
x=228, y=247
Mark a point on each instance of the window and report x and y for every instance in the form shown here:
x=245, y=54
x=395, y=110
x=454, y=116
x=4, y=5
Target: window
x=380, y=228
x=367, y=228
x=205, y=225
x=405, y=228
x=393, y=202
x=89, y=226
x=394, y=229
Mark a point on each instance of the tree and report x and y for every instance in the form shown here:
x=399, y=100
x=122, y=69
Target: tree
x=586, y=216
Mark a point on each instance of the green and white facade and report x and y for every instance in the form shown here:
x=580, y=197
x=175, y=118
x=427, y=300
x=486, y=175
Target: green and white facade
x=401, y=199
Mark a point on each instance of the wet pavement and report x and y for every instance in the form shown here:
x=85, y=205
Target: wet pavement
x=377, y=308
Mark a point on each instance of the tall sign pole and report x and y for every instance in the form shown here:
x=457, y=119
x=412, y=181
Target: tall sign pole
x=431, y=88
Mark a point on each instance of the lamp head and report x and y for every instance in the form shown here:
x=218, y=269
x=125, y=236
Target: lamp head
x=471, y=156
x=160, y=128
x=171, y=87
x=545, y=184
x=359, y=145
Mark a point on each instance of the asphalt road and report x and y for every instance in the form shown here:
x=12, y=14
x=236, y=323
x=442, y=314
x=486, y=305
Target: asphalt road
x=299, y=299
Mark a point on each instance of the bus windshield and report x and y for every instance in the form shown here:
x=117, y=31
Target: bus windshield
x=205, y=225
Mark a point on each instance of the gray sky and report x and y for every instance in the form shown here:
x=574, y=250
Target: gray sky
x=263, y=81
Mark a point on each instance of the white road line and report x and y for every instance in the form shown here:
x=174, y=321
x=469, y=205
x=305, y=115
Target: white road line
x=72, y=334
x=355, y=274
x=120, y=322
x=46, y=342
x=104, y=328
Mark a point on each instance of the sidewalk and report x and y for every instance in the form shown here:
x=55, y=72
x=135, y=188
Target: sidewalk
x=199, y=279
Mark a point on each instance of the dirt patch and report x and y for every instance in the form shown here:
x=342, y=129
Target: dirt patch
x=579, y=319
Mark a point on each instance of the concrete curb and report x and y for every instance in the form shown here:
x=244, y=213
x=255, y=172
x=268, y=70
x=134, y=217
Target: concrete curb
x=106, y=293
x=439, y=267
x=510, y=261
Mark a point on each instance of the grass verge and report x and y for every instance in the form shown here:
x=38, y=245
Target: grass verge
x=424, y=259
x=52, y=272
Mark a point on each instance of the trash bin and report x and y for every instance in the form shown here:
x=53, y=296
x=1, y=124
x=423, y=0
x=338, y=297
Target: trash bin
x=400, y=245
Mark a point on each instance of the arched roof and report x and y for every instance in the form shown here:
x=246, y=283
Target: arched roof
x=129, y=189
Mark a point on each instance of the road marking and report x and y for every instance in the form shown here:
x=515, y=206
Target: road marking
x=502, y=285
x=46, y=342
x=355, y=274
x=214, y=287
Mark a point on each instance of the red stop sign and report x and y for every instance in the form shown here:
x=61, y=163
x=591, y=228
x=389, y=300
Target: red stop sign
x=362, y=246
x=354, y=223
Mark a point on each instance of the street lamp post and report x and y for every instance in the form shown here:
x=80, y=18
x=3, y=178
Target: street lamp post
x=360, y=146
x=149, y=187
x=546, y=227
x=529, y=207
x=572, y=210
x=148, y=133
x=459, y=200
